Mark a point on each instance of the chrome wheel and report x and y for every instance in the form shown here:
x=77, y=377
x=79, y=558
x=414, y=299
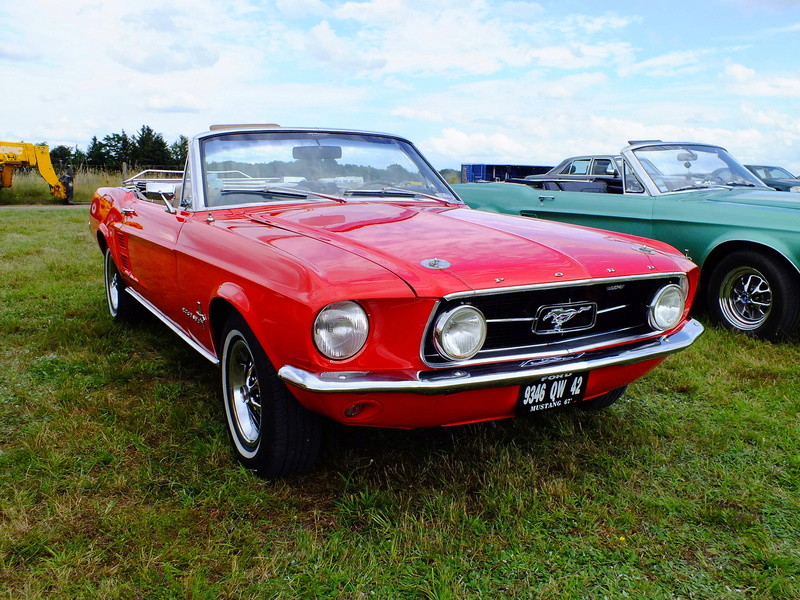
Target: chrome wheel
x=243, y=394
x=745, y=298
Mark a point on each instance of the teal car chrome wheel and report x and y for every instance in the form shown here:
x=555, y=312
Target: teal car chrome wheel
x=745, y=298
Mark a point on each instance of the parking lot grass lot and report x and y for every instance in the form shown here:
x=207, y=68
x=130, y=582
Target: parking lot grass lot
x=116, y=478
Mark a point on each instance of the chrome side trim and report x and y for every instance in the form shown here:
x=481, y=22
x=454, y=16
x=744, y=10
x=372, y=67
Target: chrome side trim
x=172, y=325
x=446, y=381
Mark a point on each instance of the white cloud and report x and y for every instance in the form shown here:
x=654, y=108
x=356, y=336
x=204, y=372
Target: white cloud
x=296, y=9
x=326, y=46
x=451, y=39
x=745, y=81
x=479, y=146
x=671, y=64
x=579, y=56
x=418, y=114
x=180, y=102
x=579, y=24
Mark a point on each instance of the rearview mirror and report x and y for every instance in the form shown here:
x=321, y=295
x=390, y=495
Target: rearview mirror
x=687, y=156
x=316, y=152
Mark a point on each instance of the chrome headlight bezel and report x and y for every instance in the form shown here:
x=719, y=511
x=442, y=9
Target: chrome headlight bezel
x=461, y=320
x=341, y=330
x=667, y=307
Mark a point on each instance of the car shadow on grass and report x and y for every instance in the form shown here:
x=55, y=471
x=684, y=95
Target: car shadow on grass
x=552, y=443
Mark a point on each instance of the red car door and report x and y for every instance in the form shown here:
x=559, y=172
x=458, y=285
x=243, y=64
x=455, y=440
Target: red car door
x=151, y=232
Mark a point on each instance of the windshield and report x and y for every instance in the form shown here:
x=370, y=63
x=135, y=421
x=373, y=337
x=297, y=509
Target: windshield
x=771, y=172
x=249, y=168
x=677, y=167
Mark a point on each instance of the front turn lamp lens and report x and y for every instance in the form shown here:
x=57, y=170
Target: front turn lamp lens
x=340, y=330
x=666, y=309
x=459, y=333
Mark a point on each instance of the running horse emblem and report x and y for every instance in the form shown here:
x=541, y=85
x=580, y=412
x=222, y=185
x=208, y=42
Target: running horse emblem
x=561, y=315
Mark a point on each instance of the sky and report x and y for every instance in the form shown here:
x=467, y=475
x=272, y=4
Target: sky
x=468, y=81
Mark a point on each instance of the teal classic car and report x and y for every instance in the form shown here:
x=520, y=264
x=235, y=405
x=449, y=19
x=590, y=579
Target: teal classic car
x=696, y=197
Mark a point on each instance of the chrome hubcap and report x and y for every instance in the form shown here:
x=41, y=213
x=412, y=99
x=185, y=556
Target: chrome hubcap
x=745, y=298
x=244, y=394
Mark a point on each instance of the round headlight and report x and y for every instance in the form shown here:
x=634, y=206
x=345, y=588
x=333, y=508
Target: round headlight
x=341, y=329
x=459, y=333
x=667, y=307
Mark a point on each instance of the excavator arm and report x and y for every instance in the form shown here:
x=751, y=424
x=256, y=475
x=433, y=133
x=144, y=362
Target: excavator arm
x=13, y=155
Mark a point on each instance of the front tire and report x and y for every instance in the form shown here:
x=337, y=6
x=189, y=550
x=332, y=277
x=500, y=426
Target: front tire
x=271, y=431
x=753, y=294
x=604, y=400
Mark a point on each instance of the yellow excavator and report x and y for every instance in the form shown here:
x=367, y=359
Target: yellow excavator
x=14, y=154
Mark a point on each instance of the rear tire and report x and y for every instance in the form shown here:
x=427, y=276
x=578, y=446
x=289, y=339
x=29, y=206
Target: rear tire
x=271, y=431
x=121, y=305
x=753, y=294
x=602, y=401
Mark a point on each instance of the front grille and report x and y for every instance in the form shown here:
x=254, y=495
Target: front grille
x=524, y=323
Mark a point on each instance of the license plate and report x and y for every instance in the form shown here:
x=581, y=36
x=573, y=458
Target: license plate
x=553, y=391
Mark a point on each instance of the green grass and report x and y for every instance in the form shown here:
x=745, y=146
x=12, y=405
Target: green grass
x=28, y=187
x=116, y=479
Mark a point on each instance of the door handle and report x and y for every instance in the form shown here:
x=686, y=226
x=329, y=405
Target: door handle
x=127, y=211
x=543, y=198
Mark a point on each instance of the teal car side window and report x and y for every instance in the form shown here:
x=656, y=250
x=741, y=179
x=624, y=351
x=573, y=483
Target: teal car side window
x=632, y=183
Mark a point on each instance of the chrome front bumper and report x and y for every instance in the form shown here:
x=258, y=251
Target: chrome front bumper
x=447, y=381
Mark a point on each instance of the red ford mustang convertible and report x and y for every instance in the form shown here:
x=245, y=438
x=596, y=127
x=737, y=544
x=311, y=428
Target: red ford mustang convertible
x=335, y=274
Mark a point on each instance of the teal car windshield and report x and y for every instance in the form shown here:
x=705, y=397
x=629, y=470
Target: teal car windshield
x=679, y=167
x=263, y=167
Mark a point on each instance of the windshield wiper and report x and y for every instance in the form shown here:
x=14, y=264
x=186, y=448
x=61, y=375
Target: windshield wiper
x=279, y=192
x=265, y=192
x=693, y=187
x=740, y=184
x=395, y=193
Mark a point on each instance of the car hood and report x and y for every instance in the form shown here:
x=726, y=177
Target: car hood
x=771, y=198
x=438, y=250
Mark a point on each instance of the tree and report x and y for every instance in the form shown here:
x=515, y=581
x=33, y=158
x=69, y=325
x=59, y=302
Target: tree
x=179, y=151
x=150, y=149
x=61, y=156
x=146, y=150
x=79, y=158
x=120, y=150
x=97, y=155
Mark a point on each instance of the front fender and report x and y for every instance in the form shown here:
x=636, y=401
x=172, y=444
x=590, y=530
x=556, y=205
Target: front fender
x=787, y=248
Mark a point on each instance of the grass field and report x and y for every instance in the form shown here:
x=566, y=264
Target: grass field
x=116, y=480
x=28, y=187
